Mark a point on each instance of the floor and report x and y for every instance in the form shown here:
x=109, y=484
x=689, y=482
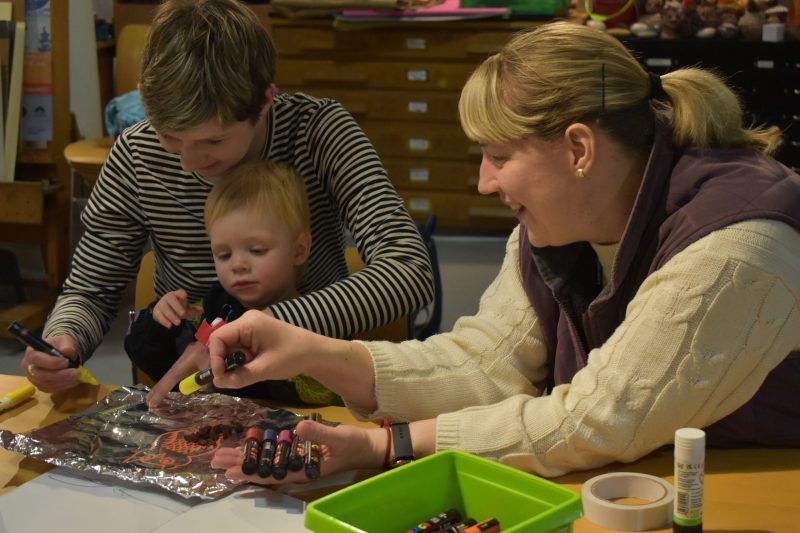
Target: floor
x=467, y=264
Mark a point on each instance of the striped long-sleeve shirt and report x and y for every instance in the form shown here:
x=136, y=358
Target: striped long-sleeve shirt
x=143, y=195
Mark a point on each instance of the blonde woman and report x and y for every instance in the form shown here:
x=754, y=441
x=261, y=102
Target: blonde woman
x=653, y=282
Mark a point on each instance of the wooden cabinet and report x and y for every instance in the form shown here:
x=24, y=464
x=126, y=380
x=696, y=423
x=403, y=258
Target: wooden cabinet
x=142, y=12
x=34, y=209
x=765, y=75
x=402, y=84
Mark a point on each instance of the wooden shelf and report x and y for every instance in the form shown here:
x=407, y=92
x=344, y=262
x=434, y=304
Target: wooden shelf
x=34, y=209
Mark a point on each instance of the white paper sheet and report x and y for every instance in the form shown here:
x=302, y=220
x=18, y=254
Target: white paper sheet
x=67, y=501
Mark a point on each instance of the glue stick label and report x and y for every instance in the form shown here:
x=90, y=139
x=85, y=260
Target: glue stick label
x=689, y=473
x=689, y=491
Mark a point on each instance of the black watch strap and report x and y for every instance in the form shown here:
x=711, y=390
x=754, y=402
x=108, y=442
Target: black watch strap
x=401, y=442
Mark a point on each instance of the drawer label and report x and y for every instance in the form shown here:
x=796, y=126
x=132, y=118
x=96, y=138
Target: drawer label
x=419, y=175
x=419, y=144
x=416, y=43
x=418, y=107
x=417, y=74
x=658, y=62
x=419, y=204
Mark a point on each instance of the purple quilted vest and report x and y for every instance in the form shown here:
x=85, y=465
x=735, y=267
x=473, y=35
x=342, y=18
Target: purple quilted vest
x=683, y=197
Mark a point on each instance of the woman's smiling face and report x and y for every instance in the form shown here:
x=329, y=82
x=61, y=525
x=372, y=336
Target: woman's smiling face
x=537, y=179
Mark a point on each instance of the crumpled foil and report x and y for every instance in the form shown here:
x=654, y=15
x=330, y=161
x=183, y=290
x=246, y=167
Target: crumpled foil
x=170, y=446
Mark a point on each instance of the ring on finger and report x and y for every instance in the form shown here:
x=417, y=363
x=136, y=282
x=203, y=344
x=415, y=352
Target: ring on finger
x=31, y=373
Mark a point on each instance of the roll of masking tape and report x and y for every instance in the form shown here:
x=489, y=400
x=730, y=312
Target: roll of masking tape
x=600, y=508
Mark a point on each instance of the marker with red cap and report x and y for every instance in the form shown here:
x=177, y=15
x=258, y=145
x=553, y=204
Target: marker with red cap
x=252, y=449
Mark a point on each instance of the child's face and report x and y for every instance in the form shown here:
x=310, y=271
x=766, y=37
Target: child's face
x=255, y=257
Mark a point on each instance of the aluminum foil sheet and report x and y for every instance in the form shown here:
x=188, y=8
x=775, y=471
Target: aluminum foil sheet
x=170, y=446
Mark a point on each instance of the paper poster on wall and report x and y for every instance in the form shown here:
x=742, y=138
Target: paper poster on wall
x=37, y=83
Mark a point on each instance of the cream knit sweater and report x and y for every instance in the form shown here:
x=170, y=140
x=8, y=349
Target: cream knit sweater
x=698, y=339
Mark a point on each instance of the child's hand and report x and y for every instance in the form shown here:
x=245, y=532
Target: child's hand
x=173, y=308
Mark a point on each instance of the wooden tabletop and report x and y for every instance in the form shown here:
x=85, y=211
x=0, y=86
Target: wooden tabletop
x=746, y=490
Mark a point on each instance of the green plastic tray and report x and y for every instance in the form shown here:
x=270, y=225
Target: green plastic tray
x=400, y=499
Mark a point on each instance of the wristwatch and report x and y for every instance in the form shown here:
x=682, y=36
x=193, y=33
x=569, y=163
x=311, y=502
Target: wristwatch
x=401, y=445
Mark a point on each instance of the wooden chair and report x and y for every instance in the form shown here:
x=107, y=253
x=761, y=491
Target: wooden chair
x=86, y=157
x=398, y=330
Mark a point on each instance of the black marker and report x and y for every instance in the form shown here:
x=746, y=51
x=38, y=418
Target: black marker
x=252, y=450
x=460, y=526
x=267, y=452
x=312, y=459
x=201, y=378
x=19, y=331
x=297, y=454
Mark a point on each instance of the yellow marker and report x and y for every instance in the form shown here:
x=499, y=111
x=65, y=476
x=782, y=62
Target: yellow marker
x=196, y=381
x=16, y=397
x=201, y=378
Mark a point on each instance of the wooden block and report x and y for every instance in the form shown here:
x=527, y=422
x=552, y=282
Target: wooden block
x=21, y=202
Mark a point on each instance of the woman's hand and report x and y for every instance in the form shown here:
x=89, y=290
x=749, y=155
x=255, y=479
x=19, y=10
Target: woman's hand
x=193, y=358
x=173, y=308
x=52, y=374
x=276, y=350
x=342, y=448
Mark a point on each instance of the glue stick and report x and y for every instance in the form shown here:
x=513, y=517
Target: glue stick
x=690, y=451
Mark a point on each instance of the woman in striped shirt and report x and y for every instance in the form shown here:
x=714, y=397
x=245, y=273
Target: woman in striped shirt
x=207, y=88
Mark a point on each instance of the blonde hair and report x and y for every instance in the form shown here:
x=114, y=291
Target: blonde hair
x=274, y=190
x=561, y=73
x=204, y=60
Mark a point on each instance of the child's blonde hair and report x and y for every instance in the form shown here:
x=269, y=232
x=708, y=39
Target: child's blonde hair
x=265, y=187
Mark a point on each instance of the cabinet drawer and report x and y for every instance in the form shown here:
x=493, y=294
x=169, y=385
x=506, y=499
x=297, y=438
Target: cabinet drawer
x=421, y=140
x=388, y=44
x=390, y=105
x=457, y=211
x=373, y=75
x=22, y=203
x=433, y=174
